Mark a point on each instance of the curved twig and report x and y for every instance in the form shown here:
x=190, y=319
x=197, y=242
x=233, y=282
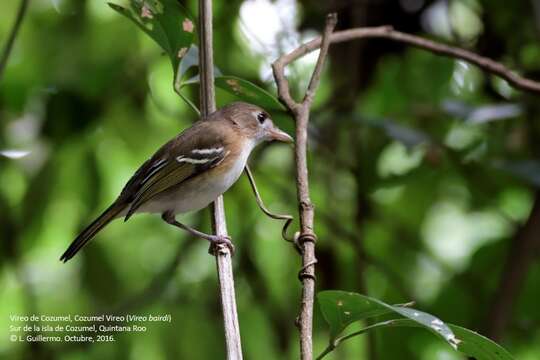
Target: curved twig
x=288, y=218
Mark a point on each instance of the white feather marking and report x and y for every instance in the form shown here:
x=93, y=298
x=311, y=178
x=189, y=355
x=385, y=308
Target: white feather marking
x=190, y=197
x=181, y=158
x=207, y=151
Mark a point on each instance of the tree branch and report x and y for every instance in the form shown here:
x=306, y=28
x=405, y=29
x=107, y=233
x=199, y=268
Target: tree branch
x=222, y=253
x=13, y=35
x=300, y=111
x=387, y=32
x=307, y=237
x=518, y=261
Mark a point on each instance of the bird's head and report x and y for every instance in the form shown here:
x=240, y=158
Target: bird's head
x=254, y=123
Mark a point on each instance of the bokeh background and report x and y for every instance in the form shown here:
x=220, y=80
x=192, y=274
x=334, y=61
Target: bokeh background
x=424, y=171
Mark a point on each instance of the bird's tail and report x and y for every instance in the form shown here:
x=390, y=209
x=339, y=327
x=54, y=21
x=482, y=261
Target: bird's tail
x=91, y=230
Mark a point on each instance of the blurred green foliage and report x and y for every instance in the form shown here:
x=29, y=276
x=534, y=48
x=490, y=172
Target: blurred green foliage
x=424, y=180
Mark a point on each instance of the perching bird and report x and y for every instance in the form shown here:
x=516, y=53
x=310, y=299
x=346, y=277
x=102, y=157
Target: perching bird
x=190, y=171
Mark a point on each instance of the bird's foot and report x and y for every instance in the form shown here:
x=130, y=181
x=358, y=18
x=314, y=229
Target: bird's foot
x=218, y=242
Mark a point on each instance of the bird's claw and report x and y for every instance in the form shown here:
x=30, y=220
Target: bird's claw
x=217, y=241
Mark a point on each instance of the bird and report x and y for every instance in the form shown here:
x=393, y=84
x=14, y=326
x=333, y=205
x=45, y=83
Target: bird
x=190, y=171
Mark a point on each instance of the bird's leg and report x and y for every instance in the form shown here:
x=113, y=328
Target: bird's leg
x=169, y=218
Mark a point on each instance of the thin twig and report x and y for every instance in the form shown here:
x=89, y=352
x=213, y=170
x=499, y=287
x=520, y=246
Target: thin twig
x=306, y=239
x=387, y=32
x=331, y=22
x=222, y=253
x=288, y=218
x=13, y=35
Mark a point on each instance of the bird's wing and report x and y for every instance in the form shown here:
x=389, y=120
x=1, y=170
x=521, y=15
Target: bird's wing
x=181, y=159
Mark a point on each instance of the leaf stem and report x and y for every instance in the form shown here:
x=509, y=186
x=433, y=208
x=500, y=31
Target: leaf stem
x=177, y=85
x=189, y=103
x=335, y=342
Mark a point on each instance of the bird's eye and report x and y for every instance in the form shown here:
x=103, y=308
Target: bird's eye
x=262, y=117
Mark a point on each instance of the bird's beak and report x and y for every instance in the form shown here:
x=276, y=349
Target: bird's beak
x=279, y=135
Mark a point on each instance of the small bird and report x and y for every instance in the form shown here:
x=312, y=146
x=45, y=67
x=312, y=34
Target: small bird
x=190, y=171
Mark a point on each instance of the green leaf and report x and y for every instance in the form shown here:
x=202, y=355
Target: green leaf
x=341, y=308
x=432, y=323
x=242, y=89
x=470, y=342
x=165, y=21
x=478, y=346
x=191, y=60
x=249, y=92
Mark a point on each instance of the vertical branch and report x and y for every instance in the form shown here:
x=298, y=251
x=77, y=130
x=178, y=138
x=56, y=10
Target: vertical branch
x=520, y=257
x=306, y=238
x=222, y=253
x=13, y=35
x=206, y=59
